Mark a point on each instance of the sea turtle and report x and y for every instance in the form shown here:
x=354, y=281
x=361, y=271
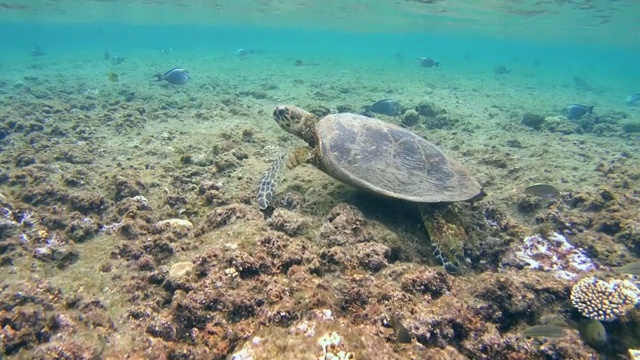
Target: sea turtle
x=384, y=159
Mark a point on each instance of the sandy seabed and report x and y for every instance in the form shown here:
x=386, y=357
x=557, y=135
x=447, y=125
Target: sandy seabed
x=91, y=168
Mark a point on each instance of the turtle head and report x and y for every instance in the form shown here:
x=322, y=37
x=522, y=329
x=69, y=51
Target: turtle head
x=295, y=120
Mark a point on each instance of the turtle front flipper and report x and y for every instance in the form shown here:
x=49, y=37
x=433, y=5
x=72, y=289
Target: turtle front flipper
x=300, y=155
x=446, y=233
x=268, y=182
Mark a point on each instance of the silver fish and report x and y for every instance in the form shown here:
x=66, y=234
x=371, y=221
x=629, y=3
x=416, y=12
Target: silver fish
x=241, y=52
x=387, y=107
x=427, y=62
x=37, y=51
x=550, y=331
x=576, y=111
x=501, y=70
x=631, y=268
x=177, y=76
x=543, y=191
x=633, y=98
x=117, y=60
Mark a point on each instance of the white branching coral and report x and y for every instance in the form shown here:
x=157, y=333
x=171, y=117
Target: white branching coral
x=605, y=300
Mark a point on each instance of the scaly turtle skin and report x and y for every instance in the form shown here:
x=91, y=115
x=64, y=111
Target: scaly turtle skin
x=384, y=159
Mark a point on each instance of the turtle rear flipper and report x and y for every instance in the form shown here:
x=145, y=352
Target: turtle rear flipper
x=446, y=234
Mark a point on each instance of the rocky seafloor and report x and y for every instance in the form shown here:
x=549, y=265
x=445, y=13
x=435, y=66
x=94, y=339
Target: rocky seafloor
x=129, y=227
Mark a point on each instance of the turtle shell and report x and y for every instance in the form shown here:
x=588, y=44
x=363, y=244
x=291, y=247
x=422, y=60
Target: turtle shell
x=386, y=159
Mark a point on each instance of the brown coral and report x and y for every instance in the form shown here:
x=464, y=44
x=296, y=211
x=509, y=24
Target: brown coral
x=604, y=300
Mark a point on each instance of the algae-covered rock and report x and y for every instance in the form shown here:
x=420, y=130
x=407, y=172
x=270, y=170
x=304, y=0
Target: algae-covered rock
x=288, y=222
x=180, y=269
x=410, y=118
x=176, y=223
x=593, y=333
x=605, y=129
x=532, y=120
x=631, y=127
x=562, y=125
x=427, y=109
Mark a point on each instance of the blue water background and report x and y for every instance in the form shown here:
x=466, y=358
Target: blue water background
x=615, y=65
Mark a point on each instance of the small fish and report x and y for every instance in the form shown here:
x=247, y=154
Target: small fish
x=300, y=63
x=177, y=76
x=633, y=98
x=37, y=51
x=501, y=69
x=106, y=56
x=427, y=62
x=387, y=107
x=542, y=190
x=630, y=268
x=117, y=60
x=581, y=82
x=593, y=333
x=576, y=111
x=544, y=331
x=401, y=332
x=241, y=52
x=113, y=77
x=244, y=52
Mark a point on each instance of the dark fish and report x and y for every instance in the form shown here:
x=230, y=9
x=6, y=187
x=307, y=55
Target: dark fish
x=387, y=107
x=177, y=76
x=401, y=332
x=576, y=111
x=113, y=77
x=593, y=333
x=543, y=190
x=106, y=56
x=427, y=62
x=501, y=69
x=544, y=331
x=633, y=98
x=300, y=63
x=117, y=60
x=631, y=268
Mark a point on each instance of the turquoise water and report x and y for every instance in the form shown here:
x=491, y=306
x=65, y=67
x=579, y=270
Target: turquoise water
x=610, y=63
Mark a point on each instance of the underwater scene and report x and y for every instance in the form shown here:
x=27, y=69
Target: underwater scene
x=337, y=179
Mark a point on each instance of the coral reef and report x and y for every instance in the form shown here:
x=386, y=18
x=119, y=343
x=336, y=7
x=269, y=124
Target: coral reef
x=554, y=253
x=129, y=228
x=605, y=300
